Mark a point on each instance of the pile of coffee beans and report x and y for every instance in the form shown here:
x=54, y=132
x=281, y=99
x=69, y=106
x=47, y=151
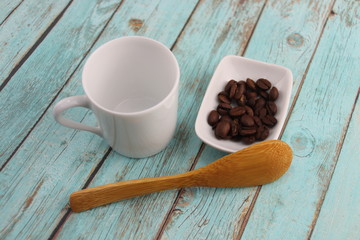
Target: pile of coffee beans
x=246, y=111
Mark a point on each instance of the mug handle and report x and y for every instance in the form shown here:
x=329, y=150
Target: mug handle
x=75, y=101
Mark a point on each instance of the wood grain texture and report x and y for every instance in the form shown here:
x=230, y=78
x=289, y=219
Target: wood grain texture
x=289, y=208
x=223, y=211
x=47, y=69
x=215, y=31
x=7, y=7
x=55, y=161
x=255, y=165
x=340, y=210
x=23, y=28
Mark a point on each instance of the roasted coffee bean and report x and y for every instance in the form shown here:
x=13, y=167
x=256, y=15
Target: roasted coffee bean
x=226, y=118
x=234, y=128
x=251, y=95
x=271, y=107
x=232, y=90
x=269, y=120
x=263, y=84
x=247, y=121
x=224, y=97
x=239, y=91
x=257, y=121
x=251, y=118
x=248, y=139
x=222, y=129
x=222, y=111
x=228, y=85
x=242, y=87
x=260, y=103
x=262, y=133
x=273, y=94
x=262, y=112
x=264, y=94
x=213, y=118
x=223, y=108
x=250, y=84
x=246, y=132
x=237, y=111
x=251, y=102
x=249, y=111
x=242, y=100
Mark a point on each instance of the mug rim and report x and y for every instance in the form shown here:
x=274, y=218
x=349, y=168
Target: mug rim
x=152, y=108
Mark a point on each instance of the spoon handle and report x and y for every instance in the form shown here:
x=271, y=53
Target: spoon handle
x=101, y=195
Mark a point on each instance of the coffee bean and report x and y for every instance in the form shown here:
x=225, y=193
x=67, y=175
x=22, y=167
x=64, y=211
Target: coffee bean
x=246, y=120
x=232, y=91
x=263, y=84
x=246, y=111
x=228, y=85
x=242, y=100
x=273, y=94
x=242, y=87
x=262, y=133
x=213, y=118
x=248, y=139
x=246, y=132
x=222, y=129
x=226, y=118
x=271, y=107
x=249, y=111
x=242, y=82
x=264, y=94
x=269, y=120
x=223, y=108
x=260, y=103
x=237, y=111
x=224, y=97
x=239, y=91
x=234, y=128
x=262, y=112
x=250, y=84
x=251, y=102
x=251, y=95
x=257, y=121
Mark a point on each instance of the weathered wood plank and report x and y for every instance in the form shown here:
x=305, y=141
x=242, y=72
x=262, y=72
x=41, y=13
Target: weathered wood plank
x=7, y=7
x=23, y=28
x=211, y=33
x=340, y=211
x=220, y=213
x=37, y=82
x=288, y=208
x=55, y=161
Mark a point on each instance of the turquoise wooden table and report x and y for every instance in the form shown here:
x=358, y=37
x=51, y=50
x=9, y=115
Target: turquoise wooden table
x=43, y=47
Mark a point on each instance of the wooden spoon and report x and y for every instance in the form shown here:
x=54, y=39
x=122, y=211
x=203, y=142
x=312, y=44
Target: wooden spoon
x=258, y=164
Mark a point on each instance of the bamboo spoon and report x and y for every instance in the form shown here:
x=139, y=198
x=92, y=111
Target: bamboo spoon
x=258, y=164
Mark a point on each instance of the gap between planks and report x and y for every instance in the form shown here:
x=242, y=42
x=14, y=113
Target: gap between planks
x=32, y=49
x=180, y=192
x=167, y=218
x=248, y=213
x=12, y=11
x=57, y=94
x=67, y=214
x=338, y=151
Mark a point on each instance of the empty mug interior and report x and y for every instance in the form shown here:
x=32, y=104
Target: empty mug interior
x=130, y=74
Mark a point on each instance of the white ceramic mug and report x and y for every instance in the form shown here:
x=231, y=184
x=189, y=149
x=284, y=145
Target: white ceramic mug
x=131, y=84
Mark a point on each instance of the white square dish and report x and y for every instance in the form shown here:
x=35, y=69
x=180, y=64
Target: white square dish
x=240, y=68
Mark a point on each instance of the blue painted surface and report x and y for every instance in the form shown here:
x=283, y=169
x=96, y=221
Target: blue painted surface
x=43, y=162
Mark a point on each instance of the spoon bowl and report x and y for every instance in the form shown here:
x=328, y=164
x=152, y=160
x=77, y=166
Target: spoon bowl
x=258, y=164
